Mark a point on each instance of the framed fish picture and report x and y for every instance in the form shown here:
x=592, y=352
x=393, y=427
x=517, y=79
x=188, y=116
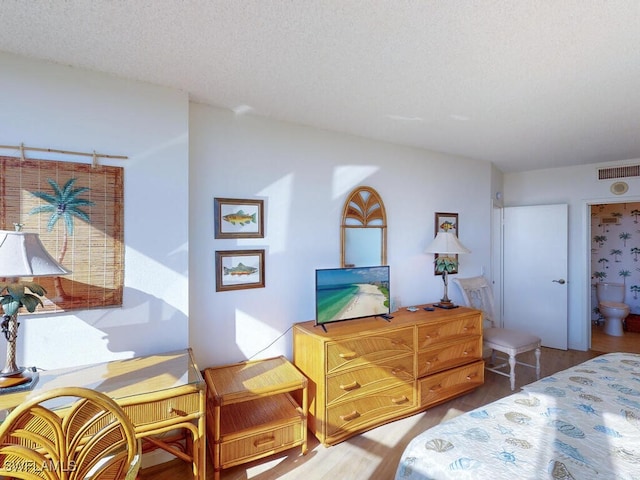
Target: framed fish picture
x=238, y=269
x=238, y=218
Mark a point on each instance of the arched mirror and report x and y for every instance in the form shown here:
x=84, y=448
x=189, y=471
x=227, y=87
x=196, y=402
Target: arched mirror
x=363, y=233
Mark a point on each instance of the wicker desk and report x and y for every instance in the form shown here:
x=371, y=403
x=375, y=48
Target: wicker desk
x=160, y=393
x=252, y=411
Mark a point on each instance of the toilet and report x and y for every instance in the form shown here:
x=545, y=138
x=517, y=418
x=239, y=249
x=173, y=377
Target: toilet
x=610, y=304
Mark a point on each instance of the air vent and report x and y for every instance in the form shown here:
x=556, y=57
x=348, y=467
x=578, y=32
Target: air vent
x=609, y=221
x=624, y=171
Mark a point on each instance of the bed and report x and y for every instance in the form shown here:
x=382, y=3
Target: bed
x=580, y=423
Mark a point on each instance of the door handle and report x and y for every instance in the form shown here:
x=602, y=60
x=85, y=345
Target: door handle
x=561, y=281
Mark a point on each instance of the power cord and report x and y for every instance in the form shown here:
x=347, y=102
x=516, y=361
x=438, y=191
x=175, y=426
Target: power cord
x=265, y=348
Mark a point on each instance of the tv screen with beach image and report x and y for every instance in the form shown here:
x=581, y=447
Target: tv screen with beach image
x=346, y=293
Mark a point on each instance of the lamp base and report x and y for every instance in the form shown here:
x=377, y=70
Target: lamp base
x=445, y=305
x=13, y=380
x=11, y=371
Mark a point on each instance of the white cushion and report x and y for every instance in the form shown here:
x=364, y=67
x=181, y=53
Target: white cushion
x=512, y=339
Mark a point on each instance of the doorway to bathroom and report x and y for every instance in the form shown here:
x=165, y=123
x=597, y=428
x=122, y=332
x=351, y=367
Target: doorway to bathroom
x=615, y=257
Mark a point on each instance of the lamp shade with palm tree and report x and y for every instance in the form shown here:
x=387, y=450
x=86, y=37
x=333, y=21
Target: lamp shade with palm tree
x=446, y=244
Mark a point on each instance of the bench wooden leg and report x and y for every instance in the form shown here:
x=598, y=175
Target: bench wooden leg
x=512, y=372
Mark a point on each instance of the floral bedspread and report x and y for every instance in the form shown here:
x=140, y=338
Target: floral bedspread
x=581, y=423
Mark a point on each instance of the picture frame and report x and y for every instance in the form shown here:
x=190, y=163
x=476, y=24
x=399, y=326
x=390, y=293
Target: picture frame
x=97, y=238
x=239, y=269
x=238, y=218
x=446, y=222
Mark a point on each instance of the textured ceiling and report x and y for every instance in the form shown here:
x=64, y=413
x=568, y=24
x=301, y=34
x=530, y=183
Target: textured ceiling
x=526, y=84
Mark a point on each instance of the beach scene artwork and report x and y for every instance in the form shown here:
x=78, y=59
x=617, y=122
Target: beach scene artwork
x=346, y=293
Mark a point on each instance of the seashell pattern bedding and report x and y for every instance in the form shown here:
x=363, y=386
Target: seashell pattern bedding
x=581, y=423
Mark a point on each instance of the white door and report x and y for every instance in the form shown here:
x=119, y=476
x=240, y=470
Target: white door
x=535, y=272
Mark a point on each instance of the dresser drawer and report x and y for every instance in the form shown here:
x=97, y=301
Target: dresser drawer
x=449, y=356
x=446, y=385
x=428, y=334
x=347, y=417
x=370, y=348
x=165, y=410
x=364, y=379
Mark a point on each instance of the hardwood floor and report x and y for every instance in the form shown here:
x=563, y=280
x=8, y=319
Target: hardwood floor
x=601, y=342
x=375, y=454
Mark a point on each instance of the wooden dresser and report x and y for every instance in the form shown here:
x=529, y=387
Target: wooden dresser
x=367, y=372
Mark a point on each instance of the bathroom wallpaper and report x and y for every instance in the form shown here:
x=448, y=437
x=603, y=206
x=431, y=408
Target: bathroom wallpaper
x=615, y=251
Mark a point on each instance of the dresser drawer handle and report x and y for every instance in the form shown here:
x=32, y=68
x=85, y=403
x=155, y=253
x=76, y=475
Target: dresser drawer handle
x=349, y=355
x=261, y=442
x=396, y=371
x=435, y=388
x=429, y=336
x=402, y=399
x=472, y=376
x=351, y=416
x=351, y=386
x=397, y=341
x=175, y=411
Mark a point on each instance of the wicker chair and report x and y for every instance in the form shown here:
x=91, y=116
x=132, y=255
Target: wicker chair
x=84, y=436
x=476, y=292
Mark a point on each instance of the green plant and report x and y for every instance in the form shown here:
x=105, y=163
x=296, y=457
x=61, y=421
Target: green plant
x=446, y=264
x=15, y=295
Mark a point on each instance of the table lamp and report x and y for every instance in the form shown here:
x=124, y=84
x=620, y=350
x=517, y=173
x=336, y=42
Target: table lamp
x=446, y=244
x=21, y=255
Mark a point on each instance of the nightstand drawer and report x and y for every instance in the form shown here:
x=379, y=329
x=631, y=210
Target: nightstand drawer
x=449, y=356
x=446, y=385
x=257, y=442
x=366, y=378
x=260, y=444
x=164, y=410
x=361, y=350
x=444, y=332
x=373, y=409
x=254, y=429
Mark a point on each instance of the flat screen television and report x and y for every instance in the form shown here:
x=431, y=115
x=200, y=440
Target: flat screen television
x=348, y=293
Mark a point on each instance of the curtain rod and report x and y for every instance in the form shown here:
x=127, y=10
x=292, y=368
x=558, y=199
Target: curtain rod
x=95, y=155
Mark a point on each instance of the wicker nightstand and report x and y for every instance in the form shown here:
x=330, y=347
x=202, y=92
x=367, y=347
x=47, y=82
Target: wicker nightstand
x=251, y=413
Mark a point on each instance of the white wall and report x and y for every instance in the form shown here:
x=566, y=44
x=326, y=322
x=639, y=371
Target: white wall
x=578, y=187
x=181, y=156
x=304, y=176
x=53, y=106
